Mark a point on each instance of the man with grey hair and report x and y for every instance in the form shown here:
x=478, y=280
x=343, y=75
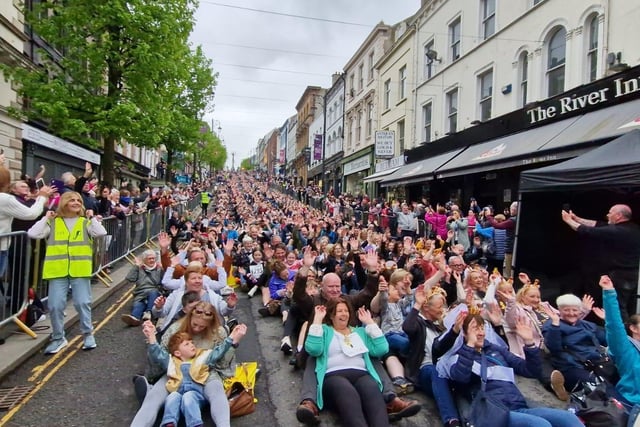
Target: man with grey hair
x=619, y=240
x=407, y=222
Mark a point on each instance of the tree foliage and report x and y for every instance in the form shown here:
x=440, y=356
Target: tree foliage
x=246, y=164
x=119, y=69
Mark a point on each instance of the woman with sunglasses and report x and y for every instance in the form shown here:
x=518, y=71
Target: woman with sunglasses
x=204, y=326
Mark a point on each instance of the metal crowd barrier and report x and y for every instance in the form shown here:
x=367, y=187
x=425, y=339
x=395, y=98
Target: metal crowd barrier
x=25, y=257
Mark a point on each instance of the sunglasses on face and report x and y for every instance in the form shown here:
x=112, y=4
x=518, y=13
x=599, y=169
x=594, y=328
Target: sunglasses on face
x=202, y=312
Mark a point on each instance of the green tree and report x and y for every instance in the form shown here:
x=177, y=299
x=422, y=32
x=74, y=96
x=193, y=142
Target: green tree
x=214, y=153
x=116, y=73
x=246, y=164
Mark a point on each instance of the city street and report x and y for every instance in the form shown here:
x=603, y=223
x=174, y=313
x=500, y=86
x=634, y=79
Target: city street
x=76, y=388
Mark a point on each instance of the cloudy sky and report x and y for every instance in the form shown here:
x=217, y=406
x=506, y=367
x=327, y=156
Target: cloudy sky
x=267, y=51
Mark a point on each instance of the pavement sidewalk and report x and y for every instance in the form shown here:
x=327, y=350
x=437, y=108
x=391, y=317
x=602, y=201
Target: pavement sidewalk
x=19, y=347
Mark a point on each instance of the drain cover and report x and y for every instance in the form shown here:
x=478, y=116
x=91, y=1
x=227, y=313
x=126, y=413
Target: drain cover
x=10, y=397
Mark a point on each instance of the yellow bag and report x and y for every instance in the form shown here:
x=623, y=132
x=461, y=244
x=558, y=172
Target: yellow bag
x=245, y=374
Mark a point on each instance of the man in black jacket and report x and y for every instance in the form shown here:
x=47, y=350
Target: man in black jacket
x=619, y=248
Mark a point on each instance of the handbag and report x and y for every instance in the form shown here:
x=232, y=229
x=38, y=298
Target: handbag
x=239, y=389
x=241, y=400
x=603, y=368
x=485, y=411
x=595, y=408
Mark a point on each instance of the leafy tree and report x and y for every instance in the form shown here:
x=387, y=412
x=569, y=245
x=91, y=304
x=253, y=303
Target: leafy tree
x=246, y=164
x=116, y=72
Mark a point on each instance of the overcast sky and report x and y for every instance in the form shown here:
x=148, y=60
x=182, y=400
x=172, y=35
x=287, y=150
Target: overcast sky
x=248, y=44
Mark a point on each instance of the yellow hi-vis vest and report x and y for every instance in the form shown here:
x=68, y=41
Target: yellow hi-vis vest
x=68, y=254
x=204, y=197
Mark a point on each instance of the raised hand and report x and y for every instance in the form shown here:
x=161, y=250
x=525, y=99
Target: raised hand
x=419, y=296
x=494, y=313
x=164, y=241
x=308, y=257
x=383, y=286
x=587, y=301
x=555, y=319
x=471, y=338
x=457, y=326
x=238, y=333
x=364, y=316
x=175, y=261
x=228, y=246
x=599, y=312
x=524, y=278
x=159, y=302
x=268, y=252
x=318, y=315
x=372, y=259
x=232, y=300
x=524, y=330
x=605, y=282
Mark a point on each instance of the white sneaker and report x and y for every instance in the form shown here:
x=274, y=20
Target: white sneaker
x=89, y=342
x=55, y=346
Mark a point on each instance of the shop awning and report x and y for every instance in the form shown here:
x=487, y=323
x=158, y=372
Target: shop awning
x=379, y=175
x=518, y=149
x=598, y=125
x=419, y=171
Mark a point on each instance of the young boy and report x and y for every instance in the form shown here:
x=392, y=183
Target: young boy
x=187, y=371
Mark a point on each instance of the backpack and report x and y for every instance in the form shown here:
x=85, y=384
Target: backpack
x=595, y=408
x=34, y=311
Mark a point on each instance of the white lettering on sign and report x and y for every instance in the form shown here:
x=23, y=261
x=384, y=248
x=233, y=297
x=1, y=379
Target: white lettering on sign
x=390, y=163
x=385, y=143
x=357, y=165
x=45, y=139
x=576, y=102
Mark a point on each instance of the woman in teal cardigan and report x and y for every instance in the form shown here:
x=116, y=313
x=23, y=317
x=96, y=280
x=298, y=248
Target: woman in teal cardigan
x=624, y=349
x=346, y=378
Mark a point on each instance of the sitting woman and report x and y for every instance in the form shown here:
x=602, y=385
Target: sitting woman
x=147, y=277
x=624, y=349
x=501, y=367
x=206, y=331
x=571, y=342
x=346, y=376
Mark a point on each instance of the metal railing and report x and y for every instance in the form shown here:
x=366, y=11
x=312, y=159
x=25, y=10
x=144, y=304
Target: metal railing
x=25, y=257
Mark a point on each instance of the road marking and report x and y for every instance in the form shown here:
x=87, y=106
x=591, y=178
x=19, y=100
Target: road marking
x=38, y=370
x=63, y=362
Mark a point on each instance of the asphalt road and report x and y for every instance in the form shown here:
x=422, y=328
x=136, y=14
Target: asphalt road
x=76, y=388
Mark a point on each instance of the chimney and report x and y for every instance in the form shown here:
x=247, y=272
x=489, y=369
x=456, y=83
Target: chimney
x=335, y=76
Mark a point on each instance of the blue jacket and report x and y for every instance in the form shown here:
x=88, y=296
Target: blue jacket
x=318, y=347
x=624, y=353
x=503, y=391
x=571, y=345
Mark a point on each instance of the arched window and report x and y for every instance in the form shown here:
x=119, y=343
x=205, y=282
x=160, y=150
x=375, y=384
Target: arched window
x=523, y=77
x=556, y=58
x=592, y=48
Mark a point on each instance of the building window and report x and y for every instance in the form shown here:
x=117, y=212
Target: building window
x=402, y=89
x=360, y=76
x=452, y=111
x=556, y=61
x=485, y=81
x=592, y=51
x=535, y=2
x=488, y=18
x=524, y=77
x=359, y=127
x=387, y=94
x=370, y=66
x=369, y=118
x=401, y=135
x=350, y=134
x=454, y=39
x=428, y=62
x=352, y=84
x=426, y=119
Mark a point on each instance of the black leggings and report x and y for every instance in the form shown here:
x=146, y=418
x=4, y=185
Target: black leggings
x=356, y=397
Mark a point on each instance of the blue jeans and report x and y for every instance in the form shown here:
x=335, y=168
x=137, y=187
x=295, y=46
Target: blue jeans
x=57, y=302
x=188, y=403
x=543, y=417
x=438, y=388
x=398, y=342
x=139, y=307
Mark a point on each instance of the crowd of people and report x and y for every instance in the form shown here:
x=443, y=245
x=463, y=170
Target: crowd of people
x=372, y=313
x=371, y=309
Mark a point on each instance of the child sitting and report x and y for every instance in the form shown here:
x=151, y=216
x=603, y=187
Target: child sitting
x=187, y=371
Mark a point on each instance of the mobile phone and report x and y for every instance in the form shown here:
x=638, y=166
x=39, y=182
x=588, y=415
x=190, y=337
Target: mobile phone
x=566, y=207
x=39, y=183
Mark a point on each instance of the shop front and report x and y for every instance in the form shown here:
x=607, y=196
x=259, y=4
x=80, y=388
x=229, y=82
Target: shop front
x=355, y=168
x=488, y=158
x=382, y=169
x=56, y=154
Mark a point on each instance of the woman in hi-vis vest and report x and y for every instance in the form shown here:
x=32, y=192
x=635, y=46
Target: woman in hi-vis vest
x=68, y=262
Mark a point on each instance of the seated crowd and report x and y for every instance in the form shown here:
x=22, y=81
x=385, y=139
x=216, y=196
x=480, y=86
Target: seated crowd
x=369, y=310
